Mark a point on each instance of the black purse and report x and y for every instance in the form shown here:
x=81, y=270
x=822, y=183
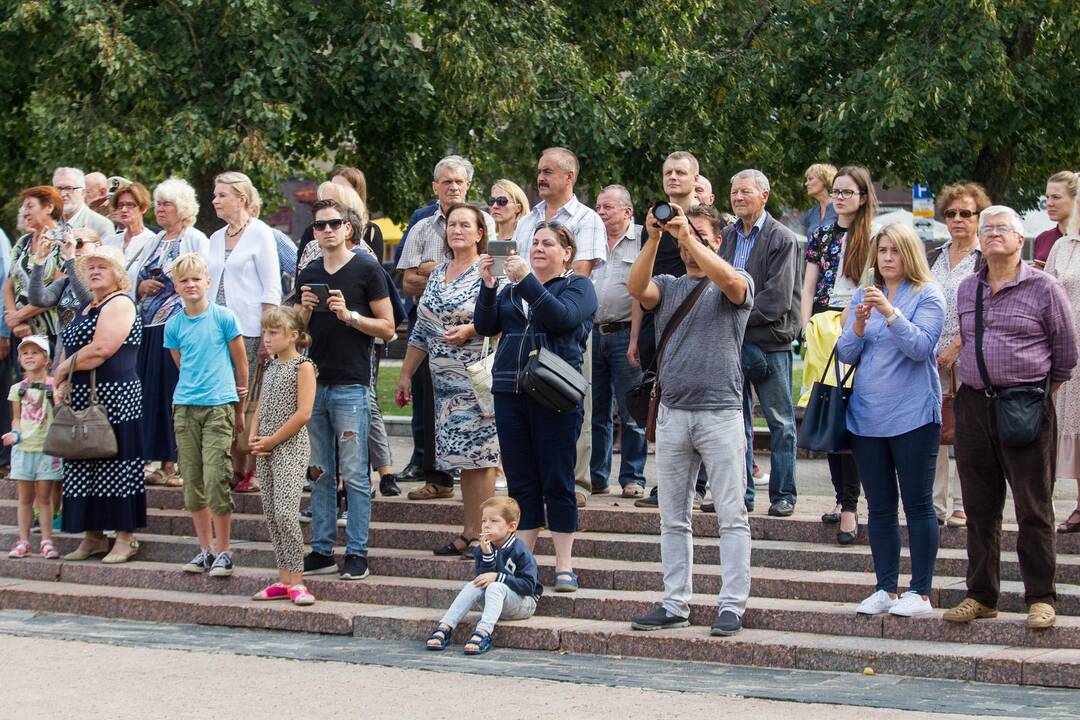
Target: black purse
x=1021, y=410
x=552, y=382
x=824, y=424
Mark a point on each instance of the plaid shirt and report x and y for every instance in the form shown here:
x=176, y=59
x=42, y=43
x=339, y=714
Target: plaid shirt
x=1028, y=330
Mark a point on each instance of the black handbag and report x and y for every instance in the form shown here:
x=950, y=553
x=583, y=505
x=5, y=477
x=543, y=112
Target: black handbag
x=643, y=400
x=552, y=382
x=824, y=424
x=1019, y=410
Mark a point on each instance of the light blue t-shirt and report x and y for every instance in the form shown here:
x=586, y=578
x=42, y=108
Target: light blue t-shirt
x=206, y=369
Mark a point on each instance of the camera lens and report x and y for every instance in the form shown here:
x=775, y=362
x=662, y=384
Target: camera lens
x=662, y=211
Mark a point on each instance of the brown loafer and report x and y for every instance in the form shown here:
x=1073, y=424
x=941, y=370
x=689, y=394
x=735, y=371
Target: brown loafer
x=431, y=492
x=1071, y=524
x=969, y=609
x=1041, y=616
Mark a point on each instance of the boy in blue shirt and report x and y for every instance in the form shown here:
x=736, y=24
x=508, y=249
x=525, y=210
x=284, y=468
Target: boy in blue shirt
x=208, y=405
x=505, y=587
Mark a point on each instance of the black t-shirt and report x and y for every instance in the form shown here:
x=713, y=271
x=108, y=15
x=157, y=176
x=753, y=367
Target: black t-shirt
x=341, y=353
x=668, y=260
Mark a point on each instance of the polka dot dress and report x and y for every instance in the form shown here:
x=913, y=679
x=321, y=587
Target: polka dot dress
x=107, y=494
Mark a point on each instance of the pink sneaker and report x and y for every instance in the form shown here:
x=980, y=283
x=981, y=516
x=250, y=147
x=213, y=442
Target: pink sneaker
x=277, y=591
x=21, y=550
x=48, y=551
x=300, y=595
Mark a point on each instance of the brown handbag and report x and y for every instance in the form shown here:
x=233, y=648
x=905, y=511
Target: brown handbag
x=243, y=439
x=80, y=434
x=948, y=414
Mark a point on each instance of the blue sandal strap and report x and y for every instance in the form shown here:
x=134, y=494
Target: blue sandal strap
x=481, y=640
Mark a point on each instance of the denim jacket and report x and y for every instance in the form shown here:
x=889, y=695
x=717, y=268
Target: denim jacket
x=559, y=317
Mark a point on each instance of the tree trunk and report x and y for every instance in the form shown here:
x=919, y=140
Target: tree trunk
x=203, y=182
x=993, y=169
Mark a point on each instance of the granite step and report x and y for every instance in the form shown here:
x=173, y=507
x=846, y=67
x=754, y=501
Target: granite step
x=997, y=663
x=606, y=514
x=614, y=546
x=808, y=616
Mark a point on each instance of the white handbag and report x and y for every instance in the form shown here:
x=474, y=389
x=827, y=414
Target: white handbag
x=480, y=377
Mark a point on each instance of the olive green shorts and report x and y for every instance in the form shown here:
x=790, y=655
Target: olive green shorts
x=204, y=436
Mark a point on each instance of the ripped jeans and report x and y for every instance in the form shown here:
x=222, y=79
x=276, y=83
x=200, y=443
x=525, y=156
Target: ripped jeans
x=342, y=412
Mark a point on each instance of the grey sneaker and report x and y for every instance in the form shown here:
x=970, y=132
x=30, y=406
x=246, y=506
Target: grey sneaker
x=222, y=566
x=200, y=563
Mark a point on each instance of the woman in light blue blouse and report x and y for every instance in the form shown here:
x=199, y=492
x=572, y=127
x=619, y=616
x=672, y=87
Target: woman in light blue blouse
x=894, y=415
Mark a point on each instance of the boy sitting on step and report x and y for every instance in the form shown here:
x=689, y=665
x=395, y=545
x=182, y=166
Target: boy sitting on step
x=505, y=587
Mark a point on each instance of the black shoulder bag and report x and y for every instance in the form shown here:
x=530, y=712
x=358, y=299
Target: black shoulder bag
x=643, y=400
x=1019, y=410
x=824, y=424
x=551, y=381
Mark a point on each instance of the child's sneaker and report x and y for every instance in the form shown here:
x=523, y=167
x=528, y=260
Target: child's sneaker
x=57, y=523
x=49, y=551
x=277, y=591
x=300, y=595
x=200, y=563
x=21, y=550
x=222, y=566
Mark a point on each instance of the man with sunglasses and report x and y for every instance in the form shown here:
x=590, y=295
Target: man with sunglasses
x=424, y=248
x=71, y=184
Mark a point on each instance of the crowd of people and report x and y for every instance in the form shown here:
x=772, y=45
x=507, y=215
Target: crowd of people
x=245, y=362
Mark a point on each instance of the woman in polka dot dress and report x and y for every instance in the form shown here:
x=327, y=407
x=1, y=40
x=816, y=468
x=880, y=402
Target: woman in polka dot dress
x=105, y=494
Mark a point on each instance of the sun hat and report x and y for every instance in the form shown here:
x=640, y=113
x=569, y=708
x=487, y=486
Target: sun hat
x=110, y=253
x=40, y=341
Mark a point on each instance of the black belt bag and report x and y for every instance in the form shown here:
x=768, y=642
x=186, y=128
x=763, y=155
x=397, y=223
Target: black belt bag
x=1019, y=410
x=552, y=382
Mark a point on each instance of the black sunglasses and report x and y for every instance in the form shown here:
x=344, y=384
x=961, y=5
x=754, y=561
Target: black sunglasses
x=962, y=213
x=323, y=224
x=551, y=224
x=502, y=201
x=80, y=242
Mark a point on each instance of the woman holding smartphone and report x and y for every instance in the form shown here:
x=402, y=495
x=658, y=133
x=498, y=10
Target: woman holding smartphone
x=42, y=214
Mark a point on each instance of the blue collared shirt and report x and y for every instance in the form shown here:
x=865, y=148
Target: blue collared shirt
x=812, y=218
x=744, y=243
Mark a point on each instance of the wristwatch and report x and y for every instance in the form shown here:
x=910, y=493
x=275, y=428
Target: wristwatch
x=354, y=318
x=892, y=318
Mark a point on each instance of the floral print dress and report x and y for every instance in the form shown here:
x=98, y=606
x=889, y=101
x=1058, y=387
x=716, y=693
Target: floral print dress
x=464, y=438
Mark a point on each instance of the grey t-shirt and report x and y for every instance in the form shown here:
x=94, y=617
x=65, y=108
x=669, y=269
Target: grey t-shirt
x=701, y=367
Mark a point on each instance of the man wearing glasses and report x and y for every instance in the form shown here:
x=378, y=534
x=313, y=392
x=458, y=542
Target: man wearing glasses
x=71, y=184
x=1028, y=339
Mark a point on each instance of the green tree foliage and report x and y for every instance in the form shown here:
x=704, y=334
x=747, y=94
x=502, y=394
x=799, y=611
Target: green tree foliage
x=915, y=89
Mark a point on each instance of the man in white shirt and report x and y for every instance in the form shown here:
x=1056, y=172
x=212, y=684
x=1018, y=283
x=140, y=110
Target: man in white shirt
x=556, y=172
x=71, y=184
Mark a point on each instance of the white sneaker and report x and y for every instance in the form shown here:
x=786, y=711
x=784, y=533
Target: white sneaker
x=876, y=604
x=762, y=481
x=910, y=603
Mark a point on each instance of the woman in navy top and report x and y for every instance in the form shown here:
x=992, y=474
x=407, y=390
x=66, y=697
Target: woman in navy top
x=894, y=415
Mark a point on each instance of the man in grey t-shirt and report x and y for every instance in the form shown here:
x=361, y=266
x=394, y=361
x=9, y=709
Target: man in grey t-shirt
x=700, y=417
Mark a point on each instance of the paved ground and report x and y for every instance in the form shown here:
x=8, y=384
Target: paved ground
x=98, y=668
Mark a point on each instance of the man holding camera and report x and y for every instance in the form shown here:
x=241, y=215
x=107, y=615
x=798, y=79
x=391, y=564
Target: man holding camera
x=766, y=249
x=700, y=415
x=612, y=373
x=425, y=249
x=556, y=172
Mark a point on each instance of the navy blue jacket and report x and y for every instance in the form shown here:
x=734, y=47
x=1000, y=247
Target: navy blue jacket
x=561, y=310
x=514, y=567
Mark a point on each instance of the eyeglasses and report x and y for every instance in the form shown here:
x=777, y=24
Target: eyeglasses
x=127, y=206
x=501, y=201
x=334, y=224
x=962, y=213
x=843, y=194
x=995, y=230
x=68, y=188
x=80, y=242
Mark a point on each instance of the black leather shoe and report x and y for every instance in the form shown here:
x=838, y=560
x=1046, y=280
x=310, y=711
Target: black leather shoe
x=410, y=473
x=847, y=538
x=781, y=508
x=831, y=518
x=388, y=486
x=726, y=624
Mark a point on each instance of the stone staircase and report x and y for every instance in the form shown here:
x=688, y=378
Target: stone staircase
x=801, y=613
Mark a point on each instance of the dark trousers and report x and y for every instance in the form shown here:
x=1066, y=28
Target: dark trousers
x=539, y=451
x=985, y=465
x=425, y=409
x=845, y=480
x=893, y=469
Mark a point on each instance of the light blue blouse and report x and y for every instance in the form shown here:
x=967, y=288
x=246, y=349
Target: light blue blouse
x=897, y=388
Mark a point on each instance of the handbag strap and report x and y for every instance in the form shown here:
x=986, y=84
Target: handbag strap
x=980, y=361
x=676, y=319
x=834, y=362
x=71, y=372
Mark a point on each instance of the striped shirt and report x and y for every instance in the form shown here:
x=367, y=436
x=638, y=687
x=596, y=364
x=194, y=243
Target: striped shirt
x=744, y=243
x=1028, y=330
x=590, y=237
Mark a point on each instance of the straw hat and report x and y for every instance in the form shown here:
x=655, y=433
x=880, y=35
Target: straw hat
x=114, y=256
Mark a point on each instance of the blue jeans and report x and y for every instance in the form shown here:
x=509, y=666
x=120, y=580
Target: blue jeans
x=611, y=371
x=342, y=412
x=900, y=466
x=774, y=396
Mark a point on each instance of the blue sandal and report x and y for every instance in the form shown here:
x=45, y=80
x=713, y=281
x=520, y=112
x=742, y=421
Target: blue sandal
x=482, y=642
x=566, y=582
x=440, y=634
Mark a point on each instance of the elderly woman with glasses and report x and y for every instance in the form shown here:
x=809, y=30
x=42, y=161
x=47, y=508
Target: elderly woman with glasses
x=954, y=260
x=66, y=292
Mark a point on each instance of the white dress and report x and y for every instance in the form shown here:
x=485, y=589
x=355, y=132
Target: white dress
x=1064, y=264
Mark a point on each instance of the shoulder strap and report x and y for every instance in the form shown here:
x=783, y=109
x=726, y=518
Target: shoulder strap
x=680, y=313
x=979, y=335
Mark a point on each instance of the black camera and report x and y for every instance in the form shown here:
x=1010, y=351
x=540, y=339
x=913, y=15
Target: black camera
x=662, y=211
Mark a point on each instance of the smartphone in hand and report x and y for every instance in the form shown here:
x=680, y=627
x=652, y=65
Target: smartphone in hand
x=321, y=291
x=499, y=250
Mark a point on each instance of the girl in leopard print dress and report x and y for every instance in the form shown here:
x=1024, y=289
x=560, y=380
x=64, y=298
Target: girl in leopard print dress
x=279, y=441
